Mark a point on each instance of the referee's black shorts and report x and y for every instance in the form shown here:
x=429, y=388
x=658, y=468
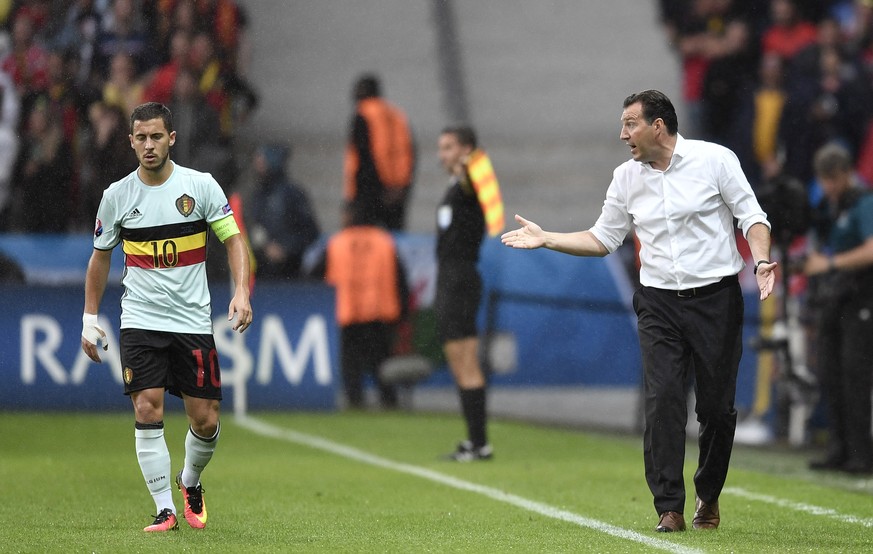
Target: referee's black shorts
x=178, y=362
x=458, y=293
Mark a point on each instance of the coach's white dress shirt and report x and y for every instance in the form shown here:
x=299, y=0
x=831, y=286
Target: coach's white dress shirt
x=683, y=216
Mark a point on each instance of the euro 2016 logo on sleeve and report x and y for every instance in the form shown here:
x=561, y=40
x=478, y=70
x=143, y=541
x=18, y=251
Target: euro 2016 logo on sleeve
x=185, y=205
x=128, y=375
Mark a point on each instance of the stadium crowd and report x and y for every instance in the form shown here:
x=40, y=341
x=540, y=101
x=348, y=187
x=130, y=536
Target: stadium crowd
x=72, y=71
x=776, y=80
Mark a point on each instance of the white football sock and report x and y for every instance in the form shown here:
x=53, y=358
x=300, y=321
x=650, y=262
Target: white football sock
x=154, y=461
x=198, y=452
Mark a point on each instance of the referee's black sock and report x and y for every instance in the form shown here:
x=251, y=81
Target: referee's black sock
x=473, y=407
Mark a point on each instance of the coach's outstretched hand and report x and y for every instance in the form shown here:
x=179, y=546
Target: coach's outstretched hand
x=530, y=235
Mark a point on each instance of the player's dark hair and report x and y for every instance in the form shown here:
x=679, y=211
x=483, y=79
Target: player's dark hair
x=655, y=105
x=152, y=110
x=464, y=133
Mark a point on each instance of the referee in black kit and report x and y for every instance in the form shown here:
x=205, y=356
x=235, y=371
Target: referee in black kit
x=460, y=229
x=681, y=197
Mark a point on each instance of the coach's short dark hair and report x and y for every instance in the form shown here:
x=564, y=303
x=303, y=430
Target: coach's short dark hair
x=152, y=110
x=655, y=105
x=464, y=133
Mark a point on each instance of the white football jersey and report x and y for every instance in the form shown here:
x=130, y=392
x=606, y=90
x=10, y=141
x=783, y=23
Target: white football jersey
x=163, y=231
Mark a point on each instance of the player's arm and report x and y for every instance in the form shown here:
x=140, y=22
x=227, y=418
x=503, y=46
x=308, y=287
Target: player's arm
x=238, y=260
x=530, y=235
x=95, y=285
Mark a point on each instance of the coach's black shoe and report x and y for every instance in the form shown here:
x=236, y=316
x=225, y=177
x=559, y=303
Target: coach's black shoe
x=466, y=452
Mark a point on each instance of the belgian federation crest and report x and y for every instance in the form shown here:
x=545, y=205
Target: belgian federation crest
x=128, y=375
x=185, y=205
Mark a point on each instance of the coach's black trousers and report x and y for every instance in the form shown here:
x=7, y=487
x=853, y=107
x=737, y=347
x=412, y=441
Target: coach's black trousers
x=690, y=333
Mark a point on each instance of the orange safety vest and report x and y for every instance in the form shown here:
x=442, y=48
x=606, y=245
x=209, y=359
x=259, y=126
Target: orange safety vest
x=390, y=146
x=487, y=189
x=361, y=263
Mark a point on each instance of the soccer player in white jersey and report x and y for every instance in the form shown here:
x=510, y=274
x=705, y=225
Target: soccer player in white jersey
x=161, y=214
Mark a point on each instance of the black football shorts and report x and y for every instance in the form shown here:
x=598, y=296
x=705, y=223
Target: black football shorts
x=178, y=362
x=458, y=293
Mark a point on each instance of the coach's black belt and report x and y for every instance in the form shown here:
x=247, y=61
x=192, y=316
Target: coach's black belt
x=724, y=283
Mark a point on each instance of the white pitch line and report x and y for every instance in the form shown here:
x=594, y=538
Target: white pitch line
x=799, y=506
x=265, y=429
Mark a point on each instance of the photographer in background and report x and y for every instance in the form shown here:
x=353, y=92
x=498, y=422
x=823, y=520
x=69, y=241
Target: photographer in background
x=841, y=292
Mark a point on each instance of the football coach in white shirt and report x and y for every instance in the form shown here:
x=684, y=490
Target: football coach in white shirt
x=681, y=197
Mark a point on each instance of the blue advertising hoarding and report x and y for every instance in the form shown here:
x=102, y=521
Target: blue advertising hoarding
x=286, y=360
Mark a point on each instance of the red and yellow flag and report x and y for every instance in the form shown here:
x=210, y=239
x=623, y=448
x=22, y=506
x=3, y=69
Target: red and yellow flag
x=487, y=189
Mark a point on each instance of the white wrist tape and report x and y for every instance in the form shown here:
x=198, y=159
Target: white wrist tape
x=91, y=330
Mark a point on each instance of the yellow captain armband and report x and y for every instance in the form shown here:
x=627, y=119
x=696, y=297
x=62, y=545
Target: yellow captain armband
x=225, y=228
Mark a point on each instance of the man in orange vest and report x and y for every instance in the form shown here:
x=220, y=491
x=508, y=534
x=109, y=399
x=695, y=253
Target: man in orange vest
x=380, y=156
x=361, y=261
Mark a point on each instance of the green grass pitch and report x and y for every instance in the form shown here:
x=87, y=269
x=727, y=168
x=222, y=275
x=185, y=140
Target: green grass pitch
x=373, y=482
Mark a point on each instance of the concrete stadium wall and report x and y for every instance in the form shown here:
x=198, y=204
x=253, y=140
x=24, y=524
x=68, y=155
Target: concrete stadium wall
x=544, y=82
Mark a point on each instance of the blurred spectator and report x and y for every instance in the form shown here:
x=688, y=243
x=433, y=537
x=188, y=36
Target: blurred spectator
x=362, y=263
x=9, y=110
x=41, y=184
x=207, y=68
x=27, y=61
x=380, y=156
x=225, y=22
x=68, y=103
x=160, y=89
x=123, y=32
x=173, y=16
x=756, y=141
x=731, y=49
x=184, y=16
x=281, y=222
x=38, y=11
x=806, y=62
x=66, y=98
x=78, y=32
x=107, y=156
x=123, y=88
x=789, y=33
x=198, y=132
x=717, y=47
x=841, y=277
x=833, y=107
x=230, y=95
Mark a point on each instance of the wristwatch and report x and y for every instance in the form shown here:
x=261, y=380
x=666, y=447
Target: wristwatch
x=759, y=262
